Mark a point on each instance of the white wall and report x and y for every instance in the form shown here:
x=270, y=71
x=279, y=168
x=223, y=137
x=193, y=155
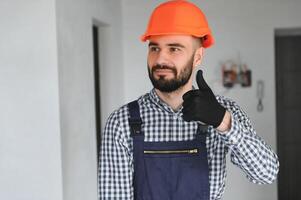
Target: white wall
x=242, y=26
x=30, y=154
x=76, y=83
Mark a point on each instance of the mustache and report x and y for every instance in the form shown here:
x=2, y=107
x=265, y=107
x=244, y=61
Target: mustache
x=158, y=66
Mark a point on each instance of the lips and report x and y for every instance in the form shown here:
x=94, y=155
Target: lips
x=160, y=70
x=163, y=71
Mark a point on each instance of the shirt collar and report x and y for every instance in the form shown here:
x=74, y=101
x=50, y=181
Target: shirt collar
x=159, y=102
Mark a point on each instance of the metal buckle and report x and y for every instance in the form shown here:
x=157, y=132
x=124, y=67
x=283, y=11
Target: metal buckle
x=135, y=126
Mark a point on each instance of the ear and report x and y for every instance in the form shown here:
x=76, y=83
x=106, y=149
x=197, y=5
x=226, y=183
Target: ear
x=198, y=56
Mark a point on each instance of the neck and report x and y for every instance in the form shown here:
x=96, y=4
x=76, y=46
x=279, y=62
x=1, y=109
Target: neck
x=174, y=99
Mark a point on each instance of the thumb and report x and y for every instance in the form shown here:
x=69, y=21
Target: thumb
x=200, y=81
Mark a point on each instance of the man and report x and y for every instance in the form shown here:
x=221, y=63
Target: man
x=171, y=143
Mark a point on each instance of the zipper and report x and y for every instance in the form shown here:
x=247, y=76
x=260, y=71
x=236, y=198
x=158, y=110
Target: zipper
x=182, y=151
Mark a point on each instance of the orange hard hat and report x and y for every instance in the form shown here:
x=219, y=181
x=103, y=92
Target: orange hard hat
x=179, y=17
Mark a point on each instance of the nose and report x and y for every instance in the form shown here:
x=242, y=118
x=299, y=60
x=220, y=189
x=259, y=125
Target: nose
x=162, y=58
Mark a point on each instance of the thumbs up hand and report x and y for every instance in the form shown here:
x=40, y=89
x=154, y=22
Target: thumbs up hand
x=201, y=104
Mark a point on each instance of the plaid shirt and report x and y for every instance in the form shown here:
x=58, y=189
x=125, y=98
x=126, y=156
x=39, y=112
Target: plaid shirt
x=160, y=123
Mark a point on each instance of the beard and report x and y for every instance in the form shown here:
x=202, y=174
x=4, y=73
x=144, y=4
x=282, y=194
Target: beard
x=171, y=85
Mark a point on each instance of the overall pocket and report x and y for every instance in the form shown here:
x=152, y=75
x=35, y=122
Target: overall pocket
x=173, y=174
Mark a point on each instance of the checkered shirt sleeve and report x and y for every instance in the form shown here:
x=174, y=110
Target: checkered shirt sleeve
x=248, y=151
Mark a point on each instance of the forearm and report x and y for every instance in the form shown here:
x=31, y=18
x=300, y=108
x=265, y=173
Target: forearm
x=251, y=153
x=258, y=161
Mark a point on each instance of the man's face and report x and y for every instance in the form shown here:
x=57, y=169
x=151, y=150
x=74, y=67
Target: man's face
x=170, y=61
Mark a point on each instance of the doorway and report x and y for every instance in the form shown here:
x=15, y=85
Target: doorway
x=97, y=92
x=288, y=105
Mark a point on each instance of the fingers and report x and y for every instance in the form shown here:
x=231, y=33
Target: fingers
x=187, y=95
x=191, y=93
x=201, y=84
x=201, y=81
x=187, y=114
x=189, y=105
x=187, y=118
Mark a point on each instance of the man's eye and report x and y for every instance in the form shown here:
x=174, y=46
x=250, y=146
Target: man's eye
x=154, y=49
x=174, y=49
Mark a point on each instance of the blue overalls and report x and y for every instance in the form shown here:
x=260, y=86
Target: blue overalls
x=168, y=170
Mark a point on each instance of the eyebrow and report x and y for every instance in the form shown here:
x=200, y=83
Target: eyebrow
x=153, y=44
x=170, y=44
x=176, y=45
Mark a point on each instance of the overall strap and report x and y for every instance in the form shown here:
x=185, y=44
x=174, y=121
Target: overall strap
x=135, y=119
x=135, y=123
x=202, y=132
